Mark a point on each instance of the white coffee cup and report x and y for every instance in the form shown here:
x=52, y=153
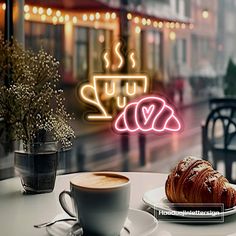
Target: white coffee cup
x=100, y=201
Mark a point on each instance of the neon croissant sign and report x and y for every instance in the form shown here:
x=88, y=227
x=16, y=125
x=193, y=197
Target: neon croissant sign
x=147, y=114
x=113, y=89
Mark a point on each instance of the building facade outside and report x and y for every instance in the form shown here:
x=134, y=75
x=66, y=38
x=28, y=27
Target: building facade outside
x=204, y=37
x=226, y=36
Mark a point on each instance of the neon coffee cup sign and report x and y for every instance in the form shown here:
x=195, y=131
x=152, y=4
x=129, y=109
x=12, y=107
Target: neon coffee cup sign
x=146, y=113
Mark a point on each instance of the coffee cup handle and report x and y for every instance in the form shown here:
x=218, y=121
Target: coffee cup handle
x=63, y=203
x=85, y=97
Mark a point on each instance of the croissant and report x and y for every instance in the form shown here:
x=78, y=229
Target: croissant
x=149, y=113
x=194, y=180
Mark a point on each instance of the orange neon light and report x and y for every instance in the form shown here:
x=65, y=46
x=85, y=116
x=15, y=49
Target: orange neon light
x=115, y=88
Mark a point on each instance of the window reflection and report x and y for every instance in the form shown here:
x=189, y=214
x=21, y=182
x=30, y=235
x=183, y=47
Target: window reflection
x=46, y=36
x=153, y=51
x=81, y=53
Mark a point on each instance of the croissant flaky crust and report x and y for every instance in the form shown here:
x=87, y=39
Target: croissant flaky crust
x=194, y=180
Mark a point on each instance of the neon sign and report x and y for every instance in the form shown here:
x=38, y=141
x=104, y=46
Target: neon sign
x=113, y=89
x=148, y=114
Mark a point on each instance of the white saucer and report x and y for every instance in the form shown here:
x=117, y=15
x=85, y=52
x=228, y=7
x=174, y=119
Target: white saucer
x=156, y=199
x=138, y=222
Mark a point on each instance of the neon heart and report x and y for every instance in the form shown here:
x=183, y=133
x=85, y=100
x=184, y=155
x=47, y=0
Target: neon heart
x=147, y=113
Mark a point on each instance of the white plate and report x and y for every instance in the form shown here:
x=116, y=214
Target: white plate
x=156, y=199
x=138, y=222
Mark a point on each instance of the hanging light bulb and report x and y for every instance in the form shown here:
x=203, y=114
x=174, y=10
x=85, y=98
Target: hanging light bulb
x=113, y=15
x=35, y=10
x=26, y=8
x=97, y=15
x=58, y=13
x=136, y=20
x=43, y=17
x=129, y=16
x=67, y=17
x=40, y=10
x=205, y=14
x=54, y=20
x=74, y=19
x=91, y=17
x=4, y=6
x=137, y=29
x=172, y=35
x=160, y=24
x=49, y=11
x=85, y=17
x=27, y=16
x=155, y=24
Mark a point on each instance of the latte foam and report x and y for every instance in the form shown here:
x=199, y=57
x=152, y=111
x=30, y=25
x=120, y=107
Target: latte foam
x=99, y=180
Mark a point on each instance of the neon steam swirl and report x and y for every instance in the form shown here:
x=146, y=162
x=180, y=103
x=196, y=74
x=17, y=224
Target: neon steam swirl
x=147, y=114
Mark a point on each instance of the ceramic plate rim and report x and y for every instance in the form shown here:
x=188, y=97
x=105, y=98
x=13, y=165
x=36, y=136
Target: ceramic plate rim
x=146, y=200
x=147, y=214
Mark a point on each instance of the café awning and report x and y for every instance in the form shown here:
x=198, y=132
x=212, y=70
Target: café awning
x=98, y=6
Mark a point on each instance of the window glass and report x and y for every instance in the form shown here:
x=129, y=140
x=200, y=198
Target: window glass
x=153, y=52
x=46, y=36
x=81, y=53
x=98, y=45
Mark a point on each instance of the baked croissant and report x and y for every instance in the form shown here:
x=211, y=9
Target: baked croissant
x=194, y=180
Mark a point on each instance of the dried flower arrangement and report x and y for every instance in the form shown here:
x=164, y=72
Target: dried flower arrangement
x=29, y=98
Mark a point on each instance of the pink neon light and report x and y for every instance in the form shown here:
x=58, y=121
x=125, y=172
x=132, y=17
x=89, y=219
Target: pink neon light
x=150, y=113
x=147, y=112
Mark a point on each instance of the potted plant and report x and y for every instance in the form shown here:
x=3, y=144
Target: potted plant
x=32, y=107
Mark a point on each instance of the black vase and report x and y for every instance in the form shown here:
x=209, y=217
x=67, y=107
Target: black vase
x=37, y=167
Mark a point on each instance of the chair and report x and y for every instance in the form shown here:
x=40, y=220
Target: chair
x=219, y=137
x=216, y=102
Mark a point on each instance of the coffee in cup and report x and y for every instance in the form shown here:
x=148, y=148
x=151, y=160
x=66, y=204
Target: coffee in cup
x=100, y=201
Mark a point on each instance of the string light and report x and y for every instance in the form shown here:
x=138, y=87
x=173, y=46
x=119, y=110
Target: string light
x=155, y=24
x=136, y=20
x=74, y=19
x=144, y=21
x=49, y=11
x=172, y=35
x=43, y=17
x=26, y=8
x=85, y=17
x=58, y=13
x=54, y=20
x=61, y=19
x=58, y=17
x=35, y=10
x=129, y=16
x=172, y=25
x=27, y=16
x=97, y=15
x=67, y=17
x=183, y=26
x=107, y=16
x=137, y=29
x=40, y=11
x=205, y=14
x=4, y=6
x=91, y=17
x=113, y=15
x=149, y=22
x=177, y=25
x=160, y=24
